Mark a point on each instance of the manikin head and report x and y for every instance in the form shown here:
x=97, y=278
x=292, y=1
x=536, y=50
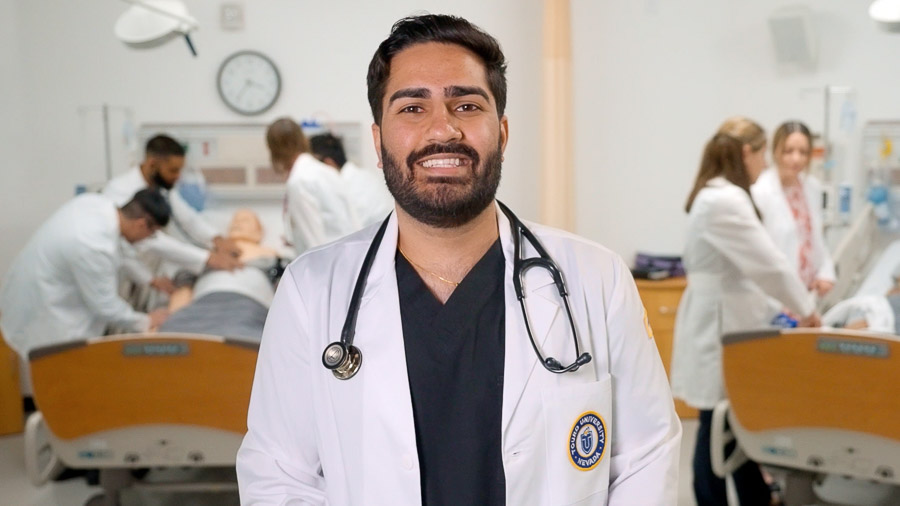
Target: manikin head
x=245, y=226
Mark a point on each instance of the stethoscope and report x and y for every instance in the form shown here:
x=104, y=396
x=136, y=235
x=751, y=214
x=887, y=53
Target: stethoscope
x=344, y=359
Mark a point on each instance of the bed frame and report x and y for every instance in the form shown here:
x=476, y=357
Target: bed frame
x=134, y=401
x=813, y=401
x=853, y=254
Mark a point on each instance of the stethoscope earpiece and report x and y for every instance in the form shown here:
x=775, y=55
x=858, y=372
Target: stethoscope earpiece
x=343, y=360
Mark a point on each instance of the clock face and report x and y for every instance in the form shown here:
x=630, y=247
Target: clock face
x=248, y=82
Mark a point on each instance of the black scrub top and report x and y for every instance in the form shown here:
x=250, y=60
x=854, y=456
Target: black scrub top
x=454, y=360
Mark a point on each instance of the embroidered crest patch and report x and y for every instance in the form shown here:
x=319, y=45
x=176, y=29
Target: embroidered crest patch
x=587, y=441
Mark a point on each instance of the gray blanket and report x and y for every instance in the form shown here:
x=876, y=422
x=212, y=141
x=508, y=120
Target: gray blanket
x=221, y=313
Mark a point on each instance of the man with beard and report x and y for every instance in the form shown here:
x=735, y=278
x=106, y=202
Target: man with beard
x=161, y=168
x=436, y=386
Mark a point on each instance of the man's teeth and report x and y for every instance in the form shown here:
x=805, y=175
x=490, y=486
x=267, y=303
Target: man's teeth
x=442, y=162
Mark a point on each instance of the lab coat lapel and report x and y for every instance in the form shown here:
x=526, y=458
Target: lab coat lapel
x=521, y=360
x=387, y=423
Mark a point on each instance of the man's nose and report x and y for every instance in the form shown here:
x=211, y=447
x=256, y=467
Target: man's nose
x=444, y=127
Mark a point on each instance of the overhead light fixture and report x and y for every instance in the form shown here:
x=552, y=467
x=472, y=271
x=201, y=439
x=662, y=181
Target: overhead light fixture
x=148, y=23
x=886, y=14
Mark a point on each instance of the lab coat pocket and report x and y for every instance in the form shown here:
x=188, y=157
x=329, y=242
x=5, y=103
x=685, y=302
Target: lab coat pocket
x=578, y=434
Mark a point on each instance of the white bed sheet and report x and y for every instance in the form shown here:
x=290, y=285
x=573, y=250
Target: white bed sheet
x=880, y=278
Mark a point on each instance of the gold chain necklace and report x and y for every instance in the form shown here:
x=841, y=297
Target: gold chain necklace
x=445, y=280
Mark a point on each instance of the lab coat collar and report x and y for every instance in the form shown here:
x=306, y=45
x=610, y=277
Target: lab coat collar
x=384, y=259
x=719, y=181
x=383, y=265
x=543, y=306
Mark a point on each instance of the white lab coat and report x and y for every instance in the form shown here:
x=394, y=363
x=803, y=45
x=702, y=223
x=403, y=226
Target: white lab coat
x=778, y=219
x=314, y=439
x=732, y=266
x=185, y=220
x=317, y=208
x=368, y=193
x=63, y=285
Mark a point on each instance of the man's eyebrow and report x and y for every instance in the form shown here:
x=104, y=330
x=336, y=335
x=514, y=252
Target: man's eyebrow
x=410, y=93
x=461, y=91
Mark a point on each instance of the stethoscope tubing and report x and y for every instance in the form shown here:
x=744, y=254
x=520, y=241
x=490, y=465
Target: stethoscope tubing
x=344, y=359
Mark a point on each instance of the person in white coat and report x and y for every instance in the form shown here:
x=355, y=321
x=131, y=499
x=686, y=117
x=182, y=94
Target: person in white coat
x=789, y=200
x=63, y=285
x=440, y=397
x=317, y=209
x=732, y=267
x=161, y=169
x=365, y=188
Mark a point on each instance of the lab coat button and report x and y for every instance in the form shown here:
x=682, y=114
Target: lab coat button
x=406, y=461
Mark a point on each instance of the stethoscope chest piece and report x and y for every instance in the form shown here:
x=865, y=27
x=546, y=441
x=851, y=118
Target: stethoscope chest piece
x=343, y=360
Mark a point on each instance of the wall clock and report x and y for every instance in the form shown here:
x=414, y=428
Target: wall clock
x=248, y=82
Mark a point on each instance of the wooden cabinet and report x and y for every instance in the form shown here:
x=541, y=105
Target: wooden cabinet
x=11, y=416
x=661, y=302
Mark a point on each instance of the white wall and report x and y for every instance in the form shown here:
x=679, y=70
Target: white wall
x=15, y=169
x=653, y=80
x=64, y=57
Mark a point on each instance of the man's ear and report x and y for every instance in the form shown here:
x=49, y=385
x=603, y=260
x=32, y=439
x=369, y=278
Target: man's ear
x=504, y=133
x=376, y=138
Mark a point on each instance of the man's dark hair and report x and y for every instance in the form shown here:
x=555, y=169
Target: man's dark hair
x=163, y=146
x=328, y=146
x=149, y=204
x=442, y=29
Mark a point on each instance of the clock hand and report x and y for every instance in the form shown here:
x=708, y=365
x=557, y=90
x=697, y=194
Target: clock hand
x=246, y=85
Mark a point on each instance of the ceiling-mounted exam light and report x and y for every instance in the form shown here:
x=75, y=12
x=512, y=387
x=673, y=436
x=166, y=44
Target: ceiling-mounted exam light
x=886, y=14
x=148, y=23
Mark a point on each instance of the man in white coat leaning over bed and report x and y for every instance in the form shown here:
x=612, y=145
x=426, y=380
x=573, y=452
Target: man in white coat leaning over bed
x=161, y=169
x=63, y=285
x=450, y=403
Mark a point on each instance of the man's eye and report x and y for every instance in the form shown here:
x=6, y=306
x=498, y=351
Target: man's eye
x=411, y=108
x=468, y=108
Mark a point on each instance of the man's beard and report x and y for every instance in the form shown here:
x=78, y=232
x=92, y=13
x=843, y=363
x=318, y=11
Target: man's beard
x=158, y=180
x=447, y=202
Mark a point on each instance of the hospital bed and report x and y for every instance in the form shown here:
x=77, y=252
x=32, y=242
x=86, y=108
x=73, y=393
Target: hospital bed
x=864, y=260
x=813, y=402
x=126, y=402
x=820, y=402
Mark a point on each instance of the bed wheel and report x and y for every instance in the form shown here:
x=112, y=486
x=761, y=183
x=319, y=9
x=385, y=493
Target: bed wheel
x=102, y=499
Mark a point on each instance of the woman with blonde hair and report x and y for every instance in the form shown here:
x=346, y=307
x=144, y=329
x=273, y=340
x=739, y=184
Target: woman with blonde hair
x=733, y=268
x=789, y=200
